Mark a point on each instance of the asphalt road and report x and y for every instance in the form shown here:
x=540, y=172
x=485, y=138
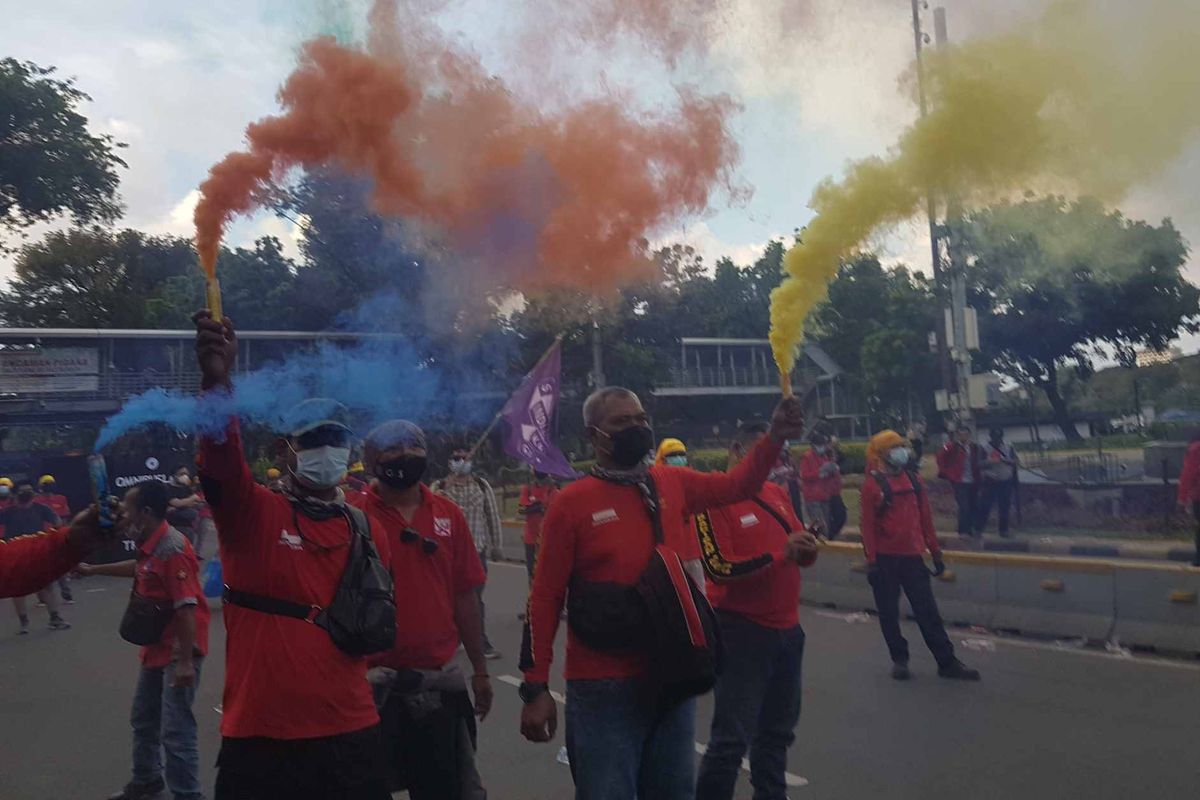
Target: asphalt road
x=1047, y=721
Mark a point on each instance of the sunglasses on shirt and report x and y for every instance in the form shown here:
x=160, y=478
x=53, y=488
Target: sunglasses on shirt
x=410, y=536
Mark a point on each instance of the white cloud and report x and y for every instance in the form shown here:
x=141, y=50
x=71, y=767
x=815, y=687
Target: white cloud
x=711, y=247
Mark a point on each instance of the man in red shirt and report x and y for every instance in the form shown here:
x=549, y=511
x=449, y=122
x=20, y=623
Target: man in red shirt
x=820, y=481
x=752, y=550
x=960, y=461
x=51, y=499
x=428, y=717
x=535, y=499
x=299, y=720
x=600, y=530
x=897, y=529
x=1189, y=488
x=166, y=571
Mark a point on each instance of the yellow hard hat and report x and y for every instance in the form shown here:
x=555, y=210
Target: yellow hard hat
x=46, y=479
x=356, y=467
x=6, y=482
x=669, y=447
x=273, y=474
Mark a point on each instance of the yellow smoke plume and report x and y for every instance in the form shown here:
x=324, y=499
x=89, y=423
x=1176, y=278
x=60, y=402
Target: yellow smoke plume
x=1092, y=98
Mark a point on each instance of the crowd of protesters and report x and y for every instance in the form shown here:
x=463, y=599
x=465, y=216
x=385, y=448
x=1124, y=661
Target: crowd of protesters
x=346, y=602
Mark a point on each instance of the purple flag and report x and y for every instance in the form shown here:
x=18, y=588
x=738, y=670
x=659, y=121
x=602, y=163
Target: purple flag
x=530, y=414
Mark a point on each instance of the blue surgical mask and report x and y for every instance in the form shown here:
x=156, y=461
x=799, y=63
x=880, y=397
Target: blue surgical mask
x=898, y=456
x=5, y=491
x=322, y=467
x=460, y=466
x=677, y=460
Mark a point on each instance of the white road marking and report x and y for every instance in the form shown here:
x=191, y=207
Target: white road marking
x=789, y=778
x=93, y=591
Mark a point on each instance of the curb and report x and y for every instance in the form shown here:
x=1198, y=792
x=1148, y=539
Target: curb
x=1055, y=546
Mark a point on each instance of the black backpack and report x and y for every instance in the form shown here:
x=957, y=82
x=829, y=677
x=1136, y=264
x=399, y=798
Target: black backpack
x=664, y=615
x=361, y=618
x=885, y=487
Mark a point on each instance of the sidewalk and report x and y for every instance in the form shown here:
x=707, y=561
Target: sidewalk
x=1169, y=550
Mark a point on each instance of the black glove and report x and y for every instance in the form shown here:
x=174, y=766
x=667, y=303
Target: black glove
x=873, y=574
x=939, y=566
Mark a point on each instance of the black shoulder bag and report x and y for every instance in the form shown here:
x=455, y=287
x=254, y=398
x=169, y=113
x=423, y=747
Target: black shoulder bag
x=145, y=619
x=361, y=618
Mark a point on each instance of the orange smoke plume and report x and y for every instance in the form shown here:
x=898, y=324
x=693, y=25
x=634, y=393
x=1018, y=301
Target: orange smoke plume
x=544, y=199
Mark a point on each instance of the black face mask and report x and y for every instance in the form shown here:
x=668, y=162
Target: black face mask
x=401, y=473
x=631, y=445
x=24, y=497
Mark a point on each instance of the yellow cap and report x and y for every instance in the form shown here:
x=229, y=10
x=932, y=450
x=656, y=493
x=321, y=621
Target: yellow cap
x=356, y=467
x=273, y=474
x=669, y=447
x=6, y=482
x=46, y=479
x=879, y=446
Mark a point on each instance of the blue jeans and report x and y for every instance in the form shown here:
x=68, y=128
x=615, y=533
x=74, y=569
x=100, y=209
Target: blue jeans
x=757, y=706
x=620, y=749
x=162, y=721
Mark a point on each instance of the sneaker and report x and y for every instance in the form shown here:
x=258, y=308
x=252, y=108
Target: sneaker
x=69, y=599
x=900, y=672
x=140, y=791
x=491, y=654
x=24, y=629
x=39, y=604
x=958, y=671
x=59, y=624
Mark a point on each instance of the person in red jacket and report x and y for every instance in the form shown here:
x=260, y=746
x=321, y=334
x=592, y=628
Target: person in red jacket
x=28, y=563
x=1189, y=488
x=49, y=497
x=897, y=529
x=600, y=530
x=428, y=716
x=674, y=453
x=960, y=461
x=820, y=481
x=299, y=718
x=535, y=499
x=752, y=549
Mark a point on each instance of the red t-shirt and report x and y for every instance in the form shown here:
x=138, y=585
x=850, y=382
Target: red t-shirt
x=426, y=583
x=284, y=678
x=167, y=569
x=813, y=486
x=601, y=531
x=541, y=494
x=1189, y=478
x=56, y=503
x=905, y=528
x=747, y=559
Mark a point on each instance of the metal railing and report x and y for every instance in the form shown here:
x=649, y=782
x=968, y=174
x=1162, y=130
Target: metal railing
x=116, y=386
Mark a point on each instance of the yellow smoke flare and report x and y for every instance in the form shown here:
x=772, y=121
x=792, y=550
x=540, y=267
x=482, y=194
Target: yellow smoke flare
x=1093, y=98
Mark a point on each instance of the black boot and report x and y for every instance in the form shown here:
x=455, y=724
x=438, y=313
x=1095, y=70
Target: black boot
x=900, y=671
x=957, y=671
x=140, y=791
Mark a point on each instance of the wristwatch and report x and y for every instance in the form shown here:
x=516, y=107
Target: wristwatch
x=531, y=691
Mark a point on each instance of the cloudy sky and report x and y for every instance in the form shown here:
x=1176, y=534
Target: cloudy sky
x=818, y=82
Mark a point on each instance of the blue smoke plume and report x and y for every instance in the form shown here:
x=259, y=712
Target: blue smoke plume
x=377, y=380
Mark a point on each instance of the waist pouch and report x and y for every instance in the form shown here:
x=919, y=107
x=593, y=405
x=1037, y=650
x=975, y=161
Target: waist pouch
x=145, y=620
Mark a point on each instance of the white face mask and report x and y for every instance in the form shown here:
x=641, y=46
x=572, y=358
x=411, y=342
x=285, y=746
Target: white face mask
x=898, y=456
x=460, y=466
x=322, y=467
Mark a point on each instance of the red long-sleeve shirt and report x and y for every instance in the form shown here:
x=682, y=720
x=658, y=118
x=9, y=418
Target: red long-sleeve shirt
x=815, y=487
x=1189, y=478
x=906, y=527
x=29, y=563
x=601, y=531
x=284, y=677
x=952, y=461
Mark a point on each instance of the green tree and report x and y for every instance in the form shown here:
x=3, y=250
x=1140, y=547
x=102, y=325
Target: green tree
x=50, y=164
x=92, y=278
x=1059, y=285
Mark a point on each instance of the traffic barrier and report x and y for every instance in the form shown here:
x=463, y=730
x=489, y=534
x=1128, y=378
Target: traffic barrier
x=1055, y=596
x=839, y=578
x=1158, y=607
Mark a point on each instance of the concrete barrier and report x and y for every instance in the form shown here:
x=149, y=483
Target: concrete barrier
x=839, y=578
x=966, y=593
x=1055, y=596
x=1158, y=607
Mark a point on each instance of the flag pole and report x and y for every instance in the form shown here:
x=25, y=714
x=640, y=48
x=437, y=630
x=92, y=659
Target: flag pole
x=483, y=437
